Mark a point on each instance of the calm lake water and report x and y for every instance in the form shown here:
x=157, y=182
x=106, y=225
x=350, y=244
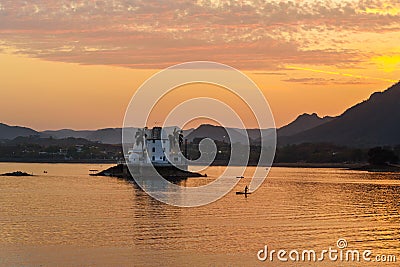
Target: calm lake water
x=67, y=218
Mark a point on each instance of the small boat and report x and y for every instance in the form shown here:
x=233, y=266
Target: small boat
x=93, y=172
x=242, y=193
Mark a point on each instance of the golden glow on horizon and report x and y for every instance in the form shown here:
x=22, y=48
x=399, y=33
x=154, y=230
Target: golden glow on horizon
x=345, y=74
x=55, y=95
x=387, y=9
x=388, y=63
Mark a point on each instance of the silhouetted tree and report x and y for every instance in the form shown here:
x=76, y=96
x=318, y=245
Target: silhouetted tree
x=381, y=156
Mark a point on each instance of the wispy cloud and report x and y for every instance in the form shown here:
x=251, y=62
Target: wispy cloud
x=365, y=77
x=155, y=34
x=270, y=73
x=325, y=81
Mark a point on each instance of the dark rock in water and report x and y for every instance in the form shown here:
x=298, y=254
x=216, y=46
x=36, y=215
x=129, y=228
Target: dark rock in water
x=17, y=173
x=378, y=168
x=168, y=172
x=115, y=171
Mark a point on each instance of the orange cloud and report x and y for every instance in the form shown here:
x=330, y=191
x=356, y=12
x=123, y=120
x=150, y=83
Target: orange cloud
x=155, y=34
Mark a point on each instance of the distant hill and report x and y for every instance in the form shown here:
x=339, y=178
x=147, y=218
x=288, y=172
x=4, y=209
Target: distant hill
x=303, y=123
x=10, y=132
x=37, y=140
x=64, y=133
x=106, y=136
x=217, y=133
x=374, y=122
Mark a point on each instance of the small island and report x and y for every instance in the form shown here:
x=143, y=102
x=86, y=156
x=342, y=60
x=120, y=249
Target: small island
x=170, y=173
x=17, y=173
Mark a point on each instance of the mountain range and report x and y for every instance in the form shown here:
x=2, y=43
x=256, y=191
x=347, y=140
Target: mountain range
x=107, y=136
x=303, y=123
x=11, y=132
x=373, y=122
x=219, y=133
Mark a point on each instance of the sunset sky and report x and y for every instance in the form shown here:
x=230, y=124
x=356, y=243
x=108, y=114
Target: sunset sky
x=76, y=64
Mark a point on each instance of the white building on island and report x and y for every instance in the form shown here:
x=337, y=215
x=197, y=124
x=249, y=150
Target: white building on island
x=152, y=147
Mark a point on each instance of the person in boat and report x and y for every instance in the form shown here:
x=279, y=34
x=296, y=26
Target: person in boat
x=246, y=189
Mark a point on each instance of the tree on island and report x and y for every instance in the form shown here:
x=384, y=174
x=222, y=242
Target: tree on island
x=382, y=156
x=174, y=138
x=140, y=137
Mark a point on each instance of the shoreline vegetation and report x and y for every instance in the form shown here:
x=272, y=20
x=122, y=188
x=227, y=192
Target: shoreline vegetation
x=72, y=150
